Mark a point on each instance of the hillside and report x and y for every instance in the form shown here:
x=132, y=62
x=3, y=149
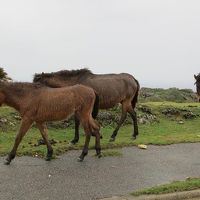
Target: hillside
x=171, y=94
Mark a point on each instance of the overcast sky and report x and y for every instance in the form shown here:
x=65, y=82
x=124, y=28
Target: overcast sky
x=157, y=41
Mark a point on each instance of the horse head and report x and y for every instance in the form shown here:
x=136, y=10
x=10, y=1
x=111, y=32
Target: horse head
x=2, y=95
x=197, y=83
x=46, y=79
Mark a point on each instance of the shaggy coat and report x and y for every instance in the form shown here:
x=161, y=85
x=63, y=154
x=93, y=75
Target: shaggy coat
x=39, y=104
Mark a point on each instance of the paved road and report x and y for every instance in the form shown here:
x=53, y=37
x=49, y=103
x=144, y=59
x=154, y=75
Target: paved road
x=66, y=179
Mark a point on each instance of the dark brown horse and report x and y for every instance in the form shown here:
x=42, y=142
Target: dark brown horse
x=111, y=88
x=197, y=83
x=39, y=104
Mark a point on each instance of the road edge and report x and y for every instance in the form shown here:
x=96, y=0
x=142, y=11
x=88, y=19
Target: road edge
x=170, y=196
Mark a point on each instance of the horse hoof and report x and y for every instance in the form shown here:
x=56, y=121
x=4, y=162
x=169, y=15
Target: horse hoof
x=7, y=162
x=73, y=142
x=99, y=156
x=112, y=139
x=80, y=159
x=48, y=158
x=134, y=137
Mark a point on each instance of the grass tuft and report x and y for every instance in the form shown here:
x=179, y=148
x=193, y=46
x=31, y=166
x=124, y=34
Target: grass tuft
x=111, y=153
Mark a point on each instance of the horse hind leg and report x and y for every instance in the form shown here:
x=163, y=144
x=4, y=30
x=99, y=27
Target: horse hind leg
x=43, y=130
x=25, y=125
x=90, y=126
x=87, y=141
x=133, y=115
x=95, y=128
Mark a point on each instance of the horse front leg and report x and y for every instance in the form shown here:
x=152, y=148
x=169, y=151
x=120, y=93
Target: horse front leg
x=25, y=125
x=76, y=135
x=121, y=121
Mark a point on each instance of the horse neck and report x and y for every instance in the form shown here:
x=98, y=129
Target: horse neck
x=13, y=99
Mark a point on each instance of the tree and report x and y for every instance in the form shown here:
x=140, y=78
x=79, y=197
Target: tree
x=4, y=75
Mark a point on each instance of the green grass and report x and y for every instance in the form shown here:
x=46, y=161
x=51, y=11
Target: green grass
x=173, y=104
x=163, y=133
x=176, y=186
x=167, y=131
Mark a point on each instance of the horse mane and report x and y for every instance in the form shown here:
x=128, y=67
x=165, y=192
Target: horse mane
x=63, y=74
x=198, y=75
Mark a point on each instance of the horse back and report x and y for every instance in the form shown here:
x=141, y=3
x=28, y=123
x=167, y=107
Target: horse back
x=113, y=88
x=60, y=103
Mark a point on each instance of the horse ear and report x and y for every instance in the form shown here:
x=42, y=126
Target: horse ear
x=195, y=76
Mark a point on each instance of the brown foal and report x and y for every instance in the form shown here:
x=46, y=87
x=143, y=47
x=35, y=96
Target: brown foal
x=39, y=104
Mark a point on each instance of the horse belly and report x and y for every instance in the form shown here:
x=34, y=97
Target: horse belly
x=107, y=105
x=54, y=113
x=107, y=102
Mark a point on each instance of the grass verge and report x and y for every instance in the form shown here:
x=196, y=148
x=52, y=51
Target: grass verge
x=176, y=186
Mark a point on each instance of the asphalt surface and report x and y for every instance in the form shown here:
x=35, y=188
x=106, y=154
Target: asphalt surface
x=66, y=179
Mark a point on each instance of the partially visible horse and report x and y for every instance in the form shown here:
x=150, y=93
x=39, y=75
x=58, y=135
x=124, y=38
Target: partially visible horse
x=111, y=88
x=39, y=104
x=197, y=83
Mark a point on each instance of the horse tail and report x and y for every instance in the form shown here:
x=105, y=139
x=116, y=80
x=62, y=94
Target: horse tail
x=94, y=125
x=95, y=110
x=135, y=98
